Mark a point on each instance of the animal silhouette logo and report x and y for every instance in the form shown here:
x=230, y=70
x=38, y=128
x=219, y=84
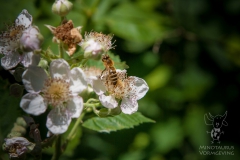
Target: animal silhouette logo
x=217, y=122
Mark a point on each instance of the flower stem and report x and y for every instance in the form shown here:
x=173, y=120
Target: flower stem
x=92, y=100
x=61, y=51
x=73, y=131
x=57, y=152
x=92, y=103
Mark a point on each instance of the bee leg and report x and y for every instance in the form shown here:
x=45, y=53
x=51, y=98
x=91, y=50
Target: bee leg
x=102, y=72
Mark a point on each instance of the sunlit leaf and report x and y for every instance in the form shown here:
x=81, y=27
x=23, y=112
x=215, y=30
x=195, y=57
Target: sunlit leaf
x=133, y=24
x=119, y=122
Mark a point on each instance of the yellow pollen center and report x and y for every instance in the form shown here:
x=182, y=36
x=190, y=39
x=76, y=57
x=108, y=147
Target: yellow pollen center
x=56, y=91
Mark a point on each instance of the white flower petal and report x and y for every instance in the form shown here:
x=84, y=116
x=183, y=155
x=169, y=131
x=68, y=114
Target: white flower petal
x=75, y=106
x=10, y=60
x=98, y=86
x=129, y=106
x=124, y=71
x=92, y=46
x=77, y=80
x=58, y=121
x=30, y=58
x=24, y=18
x=60, y=69
x=33, y=78
x=108, y=101
x=32, y=103
x=141, y=87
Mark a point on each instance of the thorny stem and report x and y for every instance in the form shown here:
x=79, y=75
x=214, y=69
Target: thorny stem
x=57, y=152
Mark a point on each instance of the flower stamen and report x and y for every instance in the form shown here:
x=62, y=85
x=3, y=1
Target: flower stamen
x=56, y=91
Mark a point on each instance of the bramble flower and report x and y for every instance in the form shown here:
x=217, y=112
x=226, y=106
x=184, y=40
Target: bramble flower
x=60, y=91
x=67, y=34
x=127, y=91
x=10, y=43
x=95, y=44
x=17, y=147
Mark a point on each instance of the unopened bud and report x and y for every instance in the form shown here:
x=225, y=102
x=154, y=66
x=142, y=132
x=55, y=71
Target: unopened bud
x=20, y=121
x=61, y=7
x=18, y=128
x=31, y=39
x=116, y=111
x=43, y=64
x=104, y=112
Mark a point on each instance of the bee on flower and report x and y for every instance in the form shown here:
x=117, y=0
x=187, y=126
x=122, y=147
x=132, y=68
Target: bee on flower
x=115, y=88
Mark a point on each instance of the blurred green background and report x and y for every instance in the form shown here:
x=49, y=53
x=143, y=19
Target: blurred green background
x=188, y=51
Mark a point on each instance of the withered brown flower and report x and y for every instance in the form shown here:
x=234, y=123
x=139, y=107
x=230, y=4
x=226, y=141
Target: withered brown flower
x=68, y=35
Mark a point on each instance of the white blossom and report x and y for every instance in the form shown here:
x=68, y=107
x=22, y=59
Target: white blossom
x=60, y=90
x=127, y=91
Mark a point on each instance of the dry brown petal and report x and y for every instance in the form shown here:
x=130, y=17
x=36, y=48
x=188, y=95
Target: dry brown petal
x=68, y=35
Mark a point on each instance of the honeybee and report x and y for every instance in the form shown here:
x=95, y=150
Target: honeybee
x=109, y=67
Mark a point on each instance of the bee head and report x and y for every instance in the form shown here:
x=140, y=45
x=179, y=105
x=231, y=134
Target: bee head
x=105, y=57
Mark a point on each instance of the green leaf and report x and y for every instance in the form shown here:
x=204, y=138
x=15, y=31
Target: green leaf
x=130, y=22
x=122, y=121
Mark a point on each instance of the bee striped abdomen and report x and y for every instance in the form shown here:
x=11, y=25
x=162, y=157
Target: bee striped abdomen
x=113, y=75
